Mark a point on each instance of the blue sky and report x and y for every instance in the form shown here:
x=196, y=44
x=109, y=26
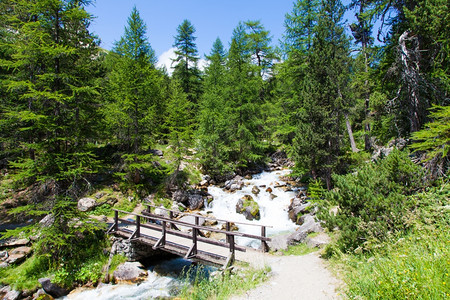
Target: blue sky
x=211, y=19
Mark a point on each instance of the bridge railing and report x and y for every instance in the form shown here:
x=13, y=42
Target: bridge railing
x=263, y=237
x=168, y=225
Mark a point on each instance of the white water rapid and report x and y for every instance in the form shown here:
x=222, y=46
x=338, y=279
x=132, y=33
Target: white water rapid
x=273, y=212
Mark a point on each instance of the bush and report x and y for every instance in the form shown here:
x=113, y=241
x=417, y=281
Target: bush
x=374, y=202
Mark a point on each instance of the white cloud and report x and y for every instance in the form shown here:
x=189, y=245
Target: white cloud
x=165, y=60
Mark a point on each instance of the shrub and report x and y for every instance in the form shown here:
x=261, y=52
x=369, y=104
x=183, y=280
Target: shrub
x=374, y=202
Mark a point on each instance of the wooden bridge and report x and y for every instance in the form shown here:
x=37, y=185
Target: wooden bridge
x=163, y=232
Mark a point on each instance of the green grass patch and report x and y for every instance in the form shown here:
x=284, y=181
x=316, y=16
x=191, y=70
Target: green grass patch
x=415, y=267
x=224, y=286
x=25, y=276
x=299, y=249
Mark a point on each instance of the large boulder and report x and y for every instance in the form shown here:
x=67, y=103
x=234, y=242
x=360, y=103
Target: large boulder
x=52, y=289
x=130, y=272
x=193, y=199
x=248, y=207
x=296, y=209
x=86, y=204
x=318, y=241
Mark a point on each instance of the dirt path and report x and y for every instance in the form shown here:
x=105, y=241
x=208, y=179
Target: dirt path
x=295, y=277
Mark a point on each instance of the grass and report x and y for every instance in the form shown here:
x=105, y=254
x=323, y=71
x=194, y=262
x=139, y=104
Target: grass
x=26, y=275
x=299, y=249
x=415, y=267
x=225, y=285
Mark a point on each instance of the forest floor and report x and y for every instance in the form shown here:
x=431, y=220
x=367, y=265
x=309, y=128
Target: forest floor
x=295, y=277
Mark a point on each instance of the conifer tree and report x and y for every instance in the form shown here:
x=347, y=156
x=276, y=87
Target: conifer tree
x=134, y=87
x=212, y=120
x=52, y=85
x=317, y=142
x=186, y=70
x=243, y=105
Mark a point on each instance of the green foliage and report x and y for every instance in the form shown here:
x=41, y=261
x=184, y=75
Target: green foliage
x=374, y=202
x=186, y=71
x=140, y=173
x=316, y=190
x=435, y=138
x=223, y=286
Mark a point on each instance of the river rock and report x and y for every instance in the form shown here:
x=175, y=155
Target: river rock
x=52, y=289
x=234, y=184
x=255, y=190
x=269, y=190
x=6, y=293
x=248, y=177
x=130, y=272
x=193, y=199
x=86, y=204
x=248, y=207
x=273, y=196
x=309, y=225
x=3, y=255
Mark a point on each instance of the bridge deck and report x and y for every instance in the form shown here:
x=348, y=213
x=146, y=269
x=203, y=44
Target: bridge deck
x=192, y=245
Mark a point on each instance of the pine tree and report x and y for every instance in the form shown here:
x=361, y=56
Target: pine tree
x=134, y=88
x=317, y=142
x=212, y=120
x=243, y=102
x=179, y=124
x=186, y=70
x=53, y=68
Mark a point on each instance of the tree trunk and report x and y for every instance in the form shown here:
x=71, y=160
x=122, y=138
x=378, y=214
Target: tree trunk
x=350, y=133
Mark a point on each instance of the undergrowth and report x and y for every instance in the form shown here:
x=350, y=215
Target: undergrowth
x=222, y=286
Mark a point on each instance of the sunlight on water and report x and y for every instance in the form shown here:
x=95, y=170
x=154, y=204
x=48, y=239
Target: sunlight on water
x=273, y=212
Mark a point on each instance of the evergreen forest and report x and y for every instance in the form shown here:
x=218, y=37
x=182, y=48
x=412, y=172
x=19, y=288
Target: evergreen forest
x=76, y=119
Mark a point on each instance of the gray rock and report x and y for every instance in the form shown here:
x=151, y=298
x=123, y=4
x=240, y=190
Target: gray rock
x=130, y=272
x=156, y=152
x=3, y=255
x=86, y=204
x=279, y=242
x=52, y=289
x=195, y=201
x=6, y=293
x=13, y=242
x=234, y=184
x=18, y=255
x=294, y=211
x=318, y=241
x=47, y=221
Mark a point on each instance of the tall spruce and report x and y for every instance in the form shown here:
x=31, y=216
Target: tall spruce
x=243, y=102
x=52, y=91
x=133, y=88
x=211, y=134
x=186, y=70
x=317, y=143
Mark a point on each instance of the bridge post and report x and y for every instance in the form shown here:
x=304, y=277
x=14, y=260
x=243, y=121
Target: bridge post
x=116, y=220
x=264, y=246
x=228, y=228
x=138, y=226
